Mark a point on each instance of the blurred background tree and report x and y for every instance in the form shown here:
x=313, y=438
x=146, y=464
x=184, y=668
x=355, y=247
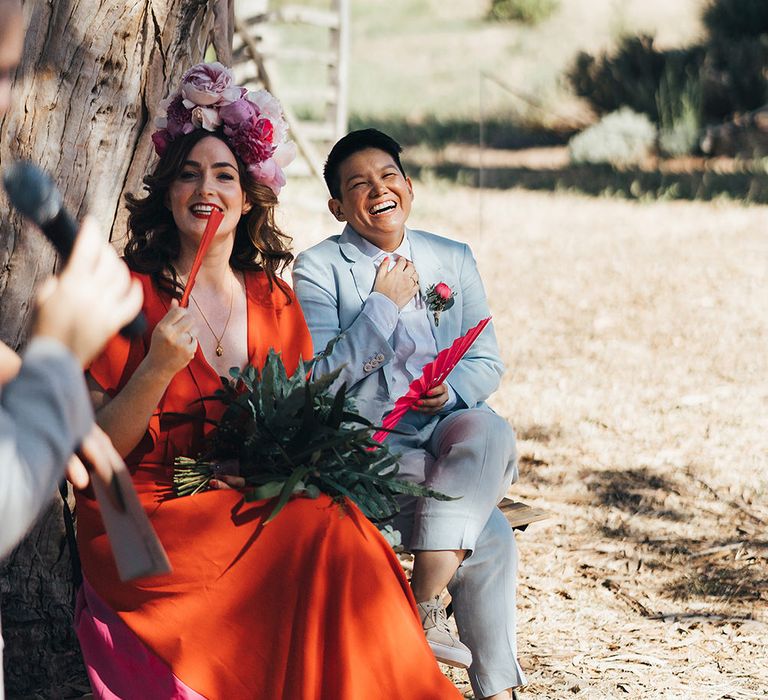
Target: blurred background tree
x=723, y=75
x=526, y=11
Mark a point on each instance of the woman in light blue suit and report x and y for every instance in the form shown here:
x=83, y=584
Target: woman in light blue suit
x=397, y=297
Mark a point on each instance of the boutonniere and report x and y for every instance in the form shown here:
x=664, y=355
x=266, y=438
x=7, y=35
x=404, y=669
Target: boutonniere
x=439, y=297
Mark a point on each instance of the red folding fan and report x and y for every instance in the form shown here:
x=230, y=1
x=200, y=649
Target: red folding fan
x=214, y=219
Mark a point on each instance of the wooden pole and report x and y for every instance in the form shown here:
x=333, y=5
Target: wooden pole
x=339, y=72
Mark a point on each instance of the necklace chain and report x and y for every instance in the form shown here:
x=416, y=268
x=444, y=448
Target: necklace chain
x=219, y=347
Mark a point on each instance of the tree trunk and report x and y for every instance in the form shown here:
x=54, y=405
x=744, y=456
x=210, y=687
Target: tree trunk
x=92, y=76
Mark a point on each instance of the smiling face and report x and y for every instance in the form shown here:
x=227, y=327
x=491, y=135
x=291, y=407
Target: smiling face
x=209, y=178
x=375, y=199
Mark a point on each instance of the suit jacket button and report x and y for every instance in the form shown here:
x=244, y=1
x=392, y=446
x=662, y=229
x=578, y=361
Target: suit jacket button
x=380, y=358
x=367, y=366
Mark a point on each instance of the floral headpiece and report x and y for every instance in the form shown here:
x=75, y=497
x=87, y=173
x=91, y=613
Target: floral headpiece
x=252, y=122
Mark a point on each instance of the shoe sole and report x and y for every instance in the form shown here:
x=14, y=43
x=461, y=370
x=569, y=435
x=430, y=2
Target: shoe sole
x=451, y=657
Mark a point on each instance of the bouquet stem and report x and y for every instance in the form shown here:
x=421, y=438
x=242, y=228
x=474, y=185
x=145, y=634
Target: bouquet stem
x=190, y=476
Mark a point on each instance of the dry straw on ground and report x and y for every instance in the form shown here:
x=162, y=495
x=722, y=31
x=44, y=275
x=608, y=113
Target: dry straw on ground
x=635, y=338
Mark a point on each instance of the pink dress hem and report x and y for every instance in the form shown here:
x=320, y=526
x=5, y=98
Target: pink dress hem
x=115, y=657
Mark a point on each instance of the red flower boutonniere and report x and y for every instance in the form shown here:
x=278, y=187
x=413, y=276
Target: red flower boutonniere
x=439, y=297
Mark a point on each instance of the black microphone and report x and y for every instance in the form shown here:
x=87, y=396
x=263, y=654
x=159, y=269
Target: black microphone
x=36, y=196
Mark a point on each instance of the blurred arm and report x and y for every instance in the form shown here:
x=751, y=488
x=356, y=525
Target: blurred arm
x=44, y=414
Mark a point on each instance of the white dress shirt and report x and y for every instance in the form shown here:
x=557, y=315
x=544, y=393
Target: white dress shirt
x=409, y=327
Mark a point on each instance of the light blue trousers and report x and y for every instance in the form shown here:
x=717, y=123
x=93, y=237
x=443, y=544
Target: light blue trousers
x=469, y=453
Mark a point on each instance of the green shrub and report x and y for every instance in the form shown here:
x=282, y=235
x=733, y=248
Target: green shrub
x=734, y=76
x=622, y=138
x=736, y=19
x=630, y=76
x=679, y=108
x=730, y=67
x=526, y=11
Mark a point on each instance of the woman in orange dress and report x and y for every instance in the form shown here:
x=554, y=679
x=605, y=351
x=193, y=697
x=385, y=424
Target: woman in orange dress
x=313, y=605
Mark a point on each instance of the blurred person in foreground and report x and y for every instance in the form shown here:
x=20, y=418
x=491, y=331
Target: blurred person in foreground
x=396, y=297
x=45, y=412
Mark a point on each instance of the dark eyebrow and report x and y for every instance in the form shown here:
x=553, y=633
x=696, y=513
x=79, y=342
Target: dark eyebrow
x=223, y=164
x=354, y=176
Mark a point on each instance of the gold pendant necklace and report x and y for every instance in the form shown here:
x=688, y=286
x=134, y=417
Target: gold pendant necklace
x=219, y=347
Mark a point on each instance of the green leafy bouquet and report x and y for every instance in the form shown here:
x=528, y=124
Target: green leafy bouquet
x=291, y=435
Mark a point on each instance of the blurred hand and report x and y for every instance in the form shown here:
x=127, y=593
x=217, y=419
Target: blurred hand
x=433, y=401
x=174, y=341
x=10, y=363
x=102, y=459
x=400, y=284
x=90, y=300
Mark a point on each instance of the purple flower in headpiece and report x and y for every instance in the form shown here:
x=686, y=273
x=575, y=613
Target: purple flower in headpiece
x=237, y=112
x=208, y=83
x=253, y=122
x=178, y=118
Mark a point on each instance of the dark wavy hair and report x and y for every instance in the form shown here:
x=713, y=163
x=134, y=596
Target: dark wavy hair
x=153, y=239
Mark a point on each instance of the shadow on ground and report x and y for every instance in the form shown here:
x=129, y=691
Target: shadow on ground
x=747, y=181
x=749, y=184
x=436, y=132
x=635, y=491
x=702, y=550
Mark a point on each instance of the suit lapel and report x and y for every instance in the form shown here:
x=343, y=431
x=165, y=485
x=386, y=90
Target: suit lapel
x=432, y=271
x=362, y=269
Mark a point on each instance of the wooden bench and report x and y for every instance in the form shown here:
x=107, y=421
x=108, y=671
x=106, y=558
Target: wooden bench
x=520, y=515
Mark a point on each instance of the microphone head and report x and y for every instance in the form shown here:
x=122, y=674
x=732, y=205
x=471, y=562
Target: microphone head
x=32, y=192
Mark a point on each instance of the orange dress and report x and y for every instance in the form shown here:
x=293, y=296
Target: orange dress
x=312, y=606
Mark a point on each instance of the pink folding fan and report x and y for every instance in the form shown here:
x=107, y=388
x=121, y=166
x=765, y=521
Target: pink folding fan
x=433, y=374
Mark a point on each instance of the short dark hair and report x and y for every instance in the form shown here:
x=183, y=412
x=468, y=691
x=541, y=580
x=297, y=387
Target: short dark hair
x=352, y=143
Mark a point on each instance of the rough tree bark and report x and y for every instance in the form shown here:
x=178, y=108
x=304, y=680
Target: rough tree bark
x=91, y=78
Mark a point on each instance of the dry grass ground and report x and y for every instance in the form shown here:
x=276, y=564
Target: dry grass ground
x=635, y=338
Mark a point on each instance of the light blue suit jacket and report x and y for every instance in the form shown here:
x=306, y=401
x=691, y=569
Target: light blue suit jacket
x=333, y=279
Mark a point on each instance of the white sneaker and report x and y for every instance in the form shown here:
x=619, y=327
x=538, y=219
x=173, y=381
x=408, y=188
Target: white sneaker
x=446, y=648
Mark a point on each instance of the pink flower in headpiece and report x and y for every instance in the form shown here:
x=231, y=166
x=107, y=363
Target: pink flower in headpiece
x=268, y=173
x=207, y=84
x=161, y=139
x=268, y=106
x=252, y=140
x=253, y=123
x=284, y=154
x=206, y=117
